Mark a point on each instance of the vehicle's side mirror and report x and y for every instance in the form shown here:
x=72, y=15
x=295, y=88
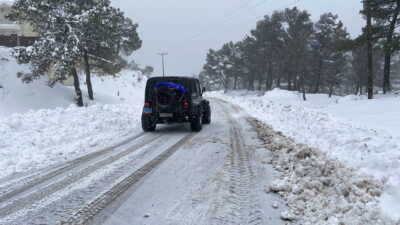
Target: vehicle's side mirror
x=203, y=90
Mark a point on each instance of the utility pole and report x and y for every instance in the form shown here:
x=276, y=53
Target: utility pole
x=163, y=54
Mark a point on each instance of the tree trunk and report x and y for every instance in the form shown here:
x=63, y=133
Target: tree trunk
x=235, y=82
x=319, y=75
x=270, y=78
x=297, y=84
x=88, y=76
x=278, y=83
x=78, y=92
x=251, y=83
x=389, y=49
x=225, y=86
x=260, y=81
x=330, y=91
x=369, y=49
x=278, y=76
x=225, y=81
x=357, y=88
x=303, y=87
x=289, y=81
x=360, y=84
x=386, y=74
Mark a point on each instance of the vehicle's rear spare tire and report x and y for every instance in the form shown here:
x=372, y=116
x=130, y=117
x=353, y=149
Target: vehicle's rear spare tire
x=168, y=99
x=196, y=124
x=148, y=124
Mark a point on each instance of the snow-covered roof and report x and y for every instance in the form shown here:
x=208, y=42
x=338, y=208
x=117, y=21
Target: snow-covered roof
x=10, y=27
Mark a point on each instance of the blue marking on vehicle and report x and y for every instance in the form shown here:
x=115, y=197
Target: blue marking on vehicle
x=147, y=110
x=171, y=85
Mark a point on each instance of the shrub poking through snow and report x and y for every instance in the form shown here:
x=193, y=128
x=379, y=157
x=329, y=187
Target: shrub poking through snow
x=317, y=189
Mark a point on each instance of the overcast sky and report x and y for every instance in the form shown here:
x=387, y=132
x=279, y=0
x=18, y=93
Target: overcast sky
x=186, y=29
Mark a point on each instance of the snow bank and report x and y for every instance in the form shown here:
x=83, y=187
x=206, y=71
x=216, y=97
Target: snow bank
x=371, y=151
x=41, y=138
x=40, y=126
x=16, y=96
x=317, y=189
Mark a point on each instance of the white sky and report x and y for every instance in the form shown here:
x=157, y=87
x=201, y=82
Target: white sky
x=186, y=29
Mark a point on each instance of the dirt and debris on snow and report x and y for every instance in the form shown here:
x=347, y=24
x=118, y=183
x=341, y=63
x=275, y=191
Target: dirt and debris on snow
x=359, y=133
x=320, y=190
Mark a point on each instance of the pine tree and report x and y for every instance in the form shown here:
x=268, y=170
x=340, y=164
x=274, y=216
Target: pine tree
x=269, y=34
x=387, y=15
x=330, y=59
x=58, y=45
x=213, y=71
x=287, y=50
x=105, y=33
x=72, y=32
x=147, y=71
x=250, y=49
x=368, y=34
x=300, y=29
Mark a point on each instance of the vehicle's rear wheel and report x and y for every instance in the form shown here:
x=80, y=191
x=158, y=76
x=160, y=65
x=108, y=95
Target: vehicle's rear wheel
x=196, y=124
x=148, y=124
x=207, y=115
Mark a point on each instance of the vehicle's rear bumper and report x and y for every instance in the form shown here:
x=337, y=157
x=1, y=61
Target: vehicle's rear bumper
x=163, y=118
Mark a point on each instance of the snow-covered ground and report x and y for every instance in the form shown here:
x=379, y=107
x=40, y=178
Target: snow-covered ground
x=41, y=138
x=16, y=96
x=40, y=126
x=217, y=177
x=360, y=133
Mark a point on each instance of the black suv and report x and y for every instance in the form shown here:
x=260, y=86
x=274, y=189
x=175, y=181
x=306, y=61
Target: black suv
x=175, y=100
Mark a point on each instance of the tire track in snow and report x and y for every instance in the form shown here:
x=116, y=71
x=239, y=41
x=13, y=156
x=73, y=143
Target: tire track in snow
x=239, y=207
x=18, y=185
x=88, y=212
x=18, y=202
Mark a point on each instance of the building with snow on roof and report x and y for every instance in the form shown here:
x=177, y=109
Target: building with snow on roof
x=13, y=34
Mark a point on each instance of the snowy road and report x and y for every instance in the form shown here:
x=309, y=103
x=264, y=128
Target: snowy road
x=171, y=176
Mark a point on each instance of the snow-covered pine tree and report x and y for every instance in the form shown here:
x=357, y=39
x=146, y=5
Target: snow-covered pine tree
x=212, y=74
x=105, y=33
x=148, y=71
x=74, y=31
x=58, y=45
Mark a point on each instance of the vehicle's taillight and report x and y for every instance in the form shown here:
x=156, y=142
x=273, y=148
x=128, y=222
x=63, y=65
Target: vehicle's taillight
x=186, y=105
x=147, y=105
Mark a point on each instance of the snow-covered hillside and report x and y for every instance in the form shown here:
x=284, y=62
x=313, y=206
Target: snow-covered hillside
x=362, y=134
x=18, y=97
x=41, y=126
